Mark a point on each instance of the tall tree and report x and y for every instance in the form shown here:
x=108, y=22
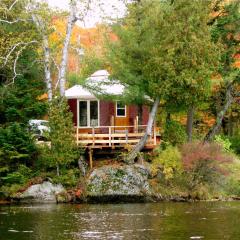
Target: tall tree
x=226, y=28
x=63, y=67
x=164, y=51
x=41, y=15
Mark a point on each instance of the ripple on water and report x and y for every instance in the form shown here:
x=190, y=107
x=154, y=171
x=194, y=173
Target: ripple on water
x=12, y=230
x=99, y=235
x=16, y=231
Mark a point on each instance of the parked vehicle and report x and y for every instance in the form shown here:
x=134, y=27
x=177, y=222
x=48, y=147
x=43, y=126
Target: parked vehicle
x=39, y=128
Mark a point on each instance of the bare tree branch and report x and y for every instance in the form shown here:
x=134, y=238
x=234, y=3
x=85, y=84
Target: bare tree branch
x=14, y=21
x=16, y=59
x=13, y=4
x=13, y=49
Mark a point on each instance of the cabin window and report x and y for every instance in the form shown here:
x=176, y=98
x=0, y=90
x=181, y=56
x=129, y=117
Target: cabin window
x=120, y=109
x=83, y=116
x=93, y=113
x=88, y=113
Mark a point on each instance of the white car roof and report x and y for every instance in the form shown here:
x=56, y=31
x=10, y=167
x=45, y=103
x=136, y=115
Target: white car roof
x=37, y=121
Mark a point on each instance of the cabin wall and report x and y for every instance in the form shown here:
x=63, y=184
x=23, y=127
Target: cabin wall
x=106, y=111
x=133, y=112
x=73, y=108
x=145, y=116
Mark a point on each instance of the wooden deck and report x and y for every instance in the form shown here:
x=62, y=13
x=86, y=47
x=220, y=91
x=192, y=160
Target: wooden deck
x=113, y=136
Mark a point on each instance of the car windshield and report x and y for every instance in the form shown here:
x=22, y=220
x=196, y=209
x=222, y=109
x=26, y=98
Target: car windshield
x=44, y=124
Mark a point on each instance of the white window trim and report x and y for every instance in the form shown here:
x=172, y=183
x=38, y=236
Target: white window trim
x=125, y=109
x=88, y=113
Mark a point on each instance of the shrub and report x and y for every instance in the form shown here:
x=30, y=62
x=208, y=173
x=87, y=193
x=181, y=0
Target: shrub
x=168, y=160
x=232, y=187
x=17, y=148
x=204, y=162
x=174, y=133
x=69, y=178
x=235, y=143
x=224, y=142
x=21, y=176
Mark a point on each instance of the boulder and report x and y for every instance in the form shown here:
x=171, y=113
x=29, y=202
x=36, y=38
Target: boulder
x=44, y=192
x=119, y=183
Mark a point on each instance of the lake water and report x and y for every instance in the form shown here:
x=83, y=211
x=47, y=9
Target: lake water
x=204, y=220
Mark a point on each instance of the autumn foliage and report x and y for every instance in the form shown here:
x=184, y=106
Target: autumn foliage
x=210, y=155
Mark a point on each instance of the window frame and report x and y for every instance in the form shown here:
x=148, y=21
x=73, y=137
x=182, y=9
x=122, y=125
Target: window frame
x=125, y=110
x=88, y=113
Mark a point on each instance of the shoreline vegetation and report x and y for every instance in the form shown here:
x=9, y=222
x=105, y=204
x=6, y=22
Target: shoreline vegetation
x=179, y=58
x=190, y=172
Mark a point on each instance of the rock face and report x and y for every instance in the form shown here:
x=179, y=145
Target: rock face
x=118, y=183
x=44, y=192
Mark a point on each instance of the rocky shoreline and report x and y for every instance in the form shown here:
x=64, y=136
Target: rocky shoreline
x=107, y=184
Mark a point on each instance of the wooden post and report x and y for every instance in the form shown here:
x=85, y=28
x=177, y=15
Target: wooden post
x=77, y=136
x=155, y=134
x=137, y=122
x=109, y=136
x=135, y=125
x=126, y=130
x=112, y=121
x=93, y=135
x=91, y=158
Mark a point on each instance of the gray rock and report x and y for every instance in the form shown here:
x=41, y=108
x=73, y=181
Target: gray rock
x=44, y=192
x=119, y=181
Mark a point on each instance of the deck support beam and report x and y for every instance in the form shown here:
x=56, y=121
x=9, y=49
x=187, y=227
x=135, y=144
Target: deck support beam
x=90, y=158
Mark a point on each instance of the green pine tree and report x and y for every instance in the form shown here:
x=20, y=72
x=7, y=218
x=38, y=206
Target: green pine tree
x=63, y=149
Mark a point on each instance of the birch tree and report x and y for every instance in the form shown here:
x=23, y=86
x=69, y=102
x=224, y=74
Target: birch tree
x=41, y=15
x=63, y=67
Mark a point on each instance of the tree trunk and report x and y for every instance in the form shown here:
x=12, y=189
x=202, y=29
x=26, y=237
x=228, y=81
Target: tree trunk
x=47, y=71
x=82, y=165
x=46, y=50
x=62, y=74
x=168, y=117
x=58, y=172
x=229, y=100
x=189, y=127
x=134, y=152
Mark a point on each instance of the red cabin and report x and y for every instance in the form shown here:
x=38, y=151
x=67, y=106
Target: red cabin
x=100, y=121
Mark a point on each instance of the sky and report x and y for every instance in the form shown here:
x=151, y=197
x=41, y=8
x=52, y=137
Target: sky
x=97, y=14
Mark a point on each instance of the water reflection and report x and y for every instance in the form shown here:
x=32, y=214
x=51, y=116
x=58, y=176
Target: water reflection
x=213, y=220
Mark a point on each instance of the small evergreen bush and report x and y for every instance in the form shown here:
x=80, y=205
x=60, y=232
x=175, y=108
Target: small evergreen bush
x=174, y=133
x=17, y=150
x=63, y=149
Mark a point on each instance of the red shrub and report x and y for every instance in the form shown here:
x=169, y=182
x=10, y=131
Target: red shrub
x=211, y=154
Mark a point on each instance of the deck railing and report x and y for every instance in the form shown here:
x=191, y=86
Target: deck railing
x=110, y=136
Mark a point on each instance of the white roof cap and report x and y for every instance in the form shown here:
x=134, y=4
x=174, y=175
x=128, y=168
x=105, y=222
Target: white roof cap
x=78, y=91
x=100, y=80
x=100, y=83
